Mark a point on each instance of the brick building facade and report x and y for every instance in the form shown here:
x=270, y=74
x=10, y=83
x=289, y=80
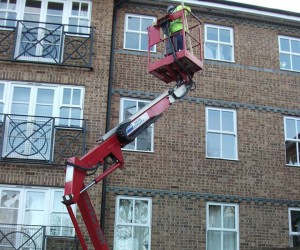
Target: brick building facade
x=219, y=170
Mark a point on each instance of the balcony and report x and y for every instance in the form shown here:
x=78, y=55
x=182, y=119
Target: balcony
x=42, y=140
x=47, y=43
x=36, y=237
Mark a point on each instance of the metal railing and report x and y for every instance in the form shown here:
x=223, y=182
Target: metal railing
x=35, y=237
x=48, y=43
x=41, y=139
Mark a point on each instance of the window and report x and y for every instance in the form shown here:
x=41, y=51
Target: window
x=41, y=27
x=292, y=140
x=35, y=206
x=80, y=17
x=71, y=106
x=144, y=142
x=136, y=34
x=222, y=229
x=221, y=134
x=31, y=112
x=8, y=13
x=133, y=223
x=218, y=43
x=41, y=100
x=294, y=227
x=289, y=53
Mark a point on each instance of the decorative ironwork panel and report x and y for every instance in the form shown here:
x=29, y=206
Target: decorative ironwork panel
x=37, y=138
x=24, y=237
x=48, y=43
x=27, y=137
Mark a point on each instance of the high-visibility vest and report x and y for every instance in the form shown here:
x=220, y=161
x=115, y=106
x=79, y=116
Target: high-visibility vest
x=176, y=25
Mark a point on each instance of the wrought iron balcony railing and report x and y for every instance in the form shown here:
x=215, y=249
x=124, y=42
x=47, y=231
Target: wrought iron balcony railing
x=41, y=139
x=32, y=237
x=48, y=43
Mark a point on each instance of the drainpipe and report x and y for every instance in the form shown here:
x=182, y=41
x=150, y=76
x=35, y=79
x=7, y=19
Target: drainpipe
x=109, y=97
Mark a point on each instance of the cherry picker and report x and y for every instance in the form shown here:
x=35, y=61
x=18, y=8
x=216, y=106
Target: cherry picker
x=172, y=66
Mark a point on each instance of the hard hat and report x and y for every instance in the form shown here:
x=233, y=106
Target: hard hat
x=170, y=8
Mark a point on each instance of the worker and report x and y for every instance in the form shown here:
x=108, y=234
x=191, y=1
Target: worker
x=176, y=26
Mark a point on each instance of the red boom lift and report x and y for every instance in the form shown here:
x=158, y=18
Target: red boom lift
x=178, y=66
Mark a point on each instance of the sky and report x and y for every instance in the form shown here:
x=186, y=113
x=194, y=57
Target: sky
x=289, y=5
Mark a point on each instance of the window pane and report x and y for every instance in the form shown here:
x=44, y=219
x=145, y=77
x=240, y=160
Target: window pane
x=229, y=217
x=20, y=109
x=9, y=216
x=132, y=41
x=141, y=211
x=75, y=9
x=284, y=45
x=67, y=96
x=3, y=4
x=57, y=204
x=55, y=8
x=146, y=23
x=291, y=152
x=214, y=119
x=225, y=52
x=1, y=91
x=21, y=94
x=35, y=200
x=129, y=109
x=43, y=110
x=144, y=140
x=76, y=96
x=285, y=61
x=144, y=42
x=295, y=46
x=134, y=23
x=10, y=199
x=45, y=96
x=298, y=128
x=290, y=126
x=296, y=62
x=228, y=146
x=215, y=216
x=140, y=238
x=213, y=145
x=225, y=36
x=84, y=9
x=211, y=50
x=230, y=241
x=295, y=220
x=125, y=211
x=213, y=240
x=12, y=5
x=34, y=217
x=124, y=237
x=212, y=34
x=227, y=121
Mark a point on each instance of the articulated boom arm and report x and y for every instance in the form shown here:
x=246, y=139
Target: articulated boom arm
x=109, y=149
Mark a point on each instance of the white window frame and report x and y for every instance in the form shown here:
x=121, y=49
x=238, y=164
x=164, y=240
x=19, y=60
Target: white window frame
x=295, y=140
x=288, y=53
x=222, y=229
x=291, y=233
x=221, y=132
x=7, y=11
x=87, y=18
x=151, y=126
x=48, y=206
x=219, y=43
x=117, y=223
x=80, y=106
x=140, y=32
x=58, y=95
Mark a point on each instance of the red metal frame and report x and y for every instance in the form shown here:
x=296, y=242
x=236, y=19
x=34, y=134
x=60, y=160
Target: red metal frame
x=111, y=144
x=167, y=68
